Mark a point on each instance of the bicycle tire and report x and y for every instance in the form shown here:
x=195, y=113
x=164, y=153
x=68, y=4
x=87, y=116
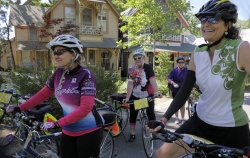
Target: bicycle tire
x=52, y=144
x=189, y=107
x=107, y=145
x=147, y=139
x=122, y=119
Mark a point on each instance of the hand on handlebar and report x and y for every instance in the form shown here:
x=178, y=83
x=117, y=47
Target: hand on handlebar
x=49, y=125
x=12, y=108
x=155, y=126
x=158, y=94
x=125, y=100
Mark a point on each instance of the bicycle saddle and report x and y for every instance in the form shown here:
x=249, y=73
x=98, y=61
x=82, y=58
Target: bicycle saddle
x=118, y=97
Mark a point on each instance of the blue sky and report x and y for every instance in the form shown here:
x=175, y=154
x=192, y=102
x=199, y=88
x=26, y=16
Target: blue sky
x=243, y=7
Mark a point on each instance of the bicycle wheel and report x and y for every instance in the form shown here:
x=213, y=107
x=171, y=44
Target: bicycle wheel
x=122, y=119
x=49, y=144
x=147, y=139
x=189, y=107
x=107, y=145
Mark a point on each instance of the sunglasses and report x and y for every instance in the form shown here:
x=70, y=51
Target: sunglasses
x=180, y=62
x=210, y=20
x=61, y=51
x=138, y=58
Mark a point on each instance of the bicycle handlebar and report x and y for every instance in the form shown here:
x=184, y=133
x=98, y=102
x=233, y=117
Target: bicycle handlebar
x=171, y=137
x=149, y=98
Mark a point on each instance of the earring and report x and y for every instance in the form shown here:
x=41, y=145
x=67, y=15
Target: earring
x=226, y=33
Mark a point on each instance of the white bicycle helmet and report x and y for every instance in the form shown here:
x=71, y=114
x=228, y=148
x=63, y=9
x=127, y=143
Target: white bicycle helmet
x=139, y=52
x=65, y=41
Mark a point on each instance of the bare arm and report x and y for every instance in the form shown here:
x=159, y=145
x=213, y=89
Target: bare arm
x=129, y=90
x=244, y=57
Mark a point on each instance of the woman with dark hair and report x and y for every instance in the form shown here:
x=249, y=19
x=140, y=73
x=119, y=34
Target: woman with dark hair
x=175, y=79
x=219, y=68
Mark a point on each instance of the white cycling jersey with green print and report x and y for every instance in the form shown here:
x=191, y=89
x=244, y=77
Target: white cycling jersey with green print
x=222, y=83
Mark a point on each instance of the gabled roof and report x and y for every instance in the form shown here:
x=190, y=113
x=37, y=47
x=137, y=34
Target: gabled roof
x=21, y=15
x=77, y=1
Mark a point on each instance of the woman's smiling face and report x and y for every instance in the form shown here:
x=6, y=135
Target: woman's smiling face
x=212, y=32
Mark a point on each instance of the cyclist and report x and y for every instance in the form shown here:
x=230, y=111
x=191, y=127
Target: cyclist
x=75, y=88
x=219, y=67
x=175, y=79
x=142, y=84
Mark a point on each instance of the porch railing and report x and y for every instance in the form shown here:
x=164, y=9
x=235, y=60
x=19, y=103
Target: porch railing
x=92, y=30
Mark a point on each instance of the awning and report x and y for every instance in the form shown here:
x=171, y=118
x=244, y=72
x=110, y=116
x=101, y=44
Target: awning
x=31, y=45
x=107, y=43
x=184, y=47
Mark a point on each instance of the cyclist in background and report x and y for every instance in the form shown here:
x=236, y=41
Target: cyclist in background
x=175, y=79
x=75, y=88
x=220, y=68
x=142, y=84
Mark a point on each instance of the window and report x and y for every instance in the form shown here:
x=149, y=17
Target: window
x=105, y=59
x=102, y=21
x=87, y=17
x=33, y=34
x=70, y=14
x=91, y=57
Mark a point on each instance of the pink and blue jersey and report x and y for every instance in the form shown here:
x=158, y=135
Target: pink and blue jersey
x=75, y=85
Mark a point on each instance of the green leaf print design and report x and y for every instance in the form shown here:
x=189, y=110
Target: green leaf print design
x=224, y=66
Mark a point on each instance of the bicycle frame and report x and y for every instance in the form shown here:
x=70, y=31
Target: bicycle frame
x=27, y=149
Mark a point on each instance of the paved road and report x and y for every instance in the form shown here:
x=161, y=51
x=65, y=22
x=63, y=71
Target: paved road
x=135, y=149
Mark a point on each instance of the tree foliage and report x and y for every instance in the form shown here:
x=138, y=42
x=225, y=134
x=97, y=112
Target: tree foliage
x=243, y=24
x=5, y=29
x=152, y=20
x=194, y=24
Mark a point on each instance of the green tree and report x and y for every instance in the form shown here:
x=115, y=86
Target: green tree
x=5, y=29
x=118, y=4
x=151, y=21
x=194, y=24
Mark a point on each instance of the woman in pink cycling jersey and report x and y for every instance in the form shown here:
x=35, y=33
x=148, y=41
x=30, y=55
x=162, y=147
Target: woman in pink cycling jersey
x=74, y=86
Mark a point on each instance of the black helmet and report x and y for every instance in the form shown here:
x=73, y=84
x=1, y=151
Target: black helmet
x=180, y=58
x=220, y=9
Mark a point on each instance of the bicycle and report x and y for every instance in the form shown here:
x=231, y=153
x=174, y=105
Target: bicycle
x=202, y=148
x=191, y=101
x=35, y=143
x=147, y=137
x=121, y=111
x=11, y=126
x=110, y=124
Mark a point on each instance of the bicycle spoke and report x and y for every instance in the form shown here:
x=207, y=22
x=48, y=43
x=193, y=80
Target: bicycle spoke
x=107, y=145
x=148, y=143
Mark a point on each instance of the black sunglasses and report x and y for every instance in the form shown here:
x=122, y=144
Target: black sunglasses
x=180, y=62
x=210, y=20
x=61, y=51
x=138, y=58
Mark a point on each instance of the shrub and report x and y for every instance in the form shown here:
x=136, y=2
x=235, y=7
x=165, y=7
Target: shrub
x=107, y=82
x=28, y=81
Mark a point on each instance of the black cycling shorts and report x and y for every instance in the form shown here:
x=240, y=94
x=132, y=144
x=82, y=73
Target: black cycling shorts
x=235, y=137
